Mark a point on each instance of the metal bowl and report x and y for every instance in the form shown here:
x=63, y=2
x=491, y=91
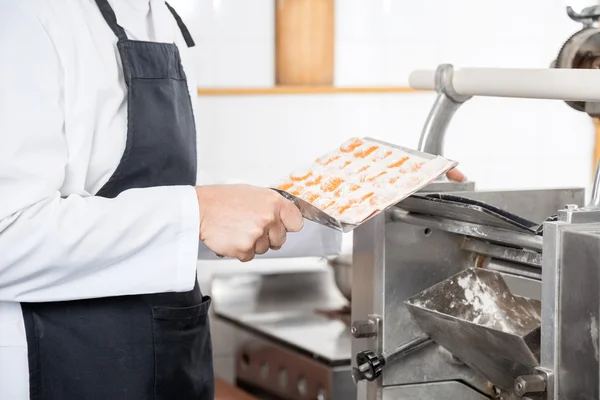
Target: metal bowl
x=342, y=271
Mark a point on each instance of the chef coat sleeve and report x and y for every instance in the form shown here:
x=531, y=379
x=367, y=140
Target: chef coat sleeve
x=62, y=247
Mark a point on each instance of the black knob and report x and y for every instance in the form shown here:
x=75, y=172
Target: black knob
x=369, y=365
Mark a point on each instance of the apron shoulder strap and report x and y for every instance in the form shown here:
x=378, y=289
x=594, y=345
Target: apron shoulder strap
x=184, y=30
x=111, y=19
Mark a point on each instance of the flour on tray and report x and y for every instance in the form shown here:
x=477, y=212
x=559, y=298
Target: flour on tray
x=363, y=177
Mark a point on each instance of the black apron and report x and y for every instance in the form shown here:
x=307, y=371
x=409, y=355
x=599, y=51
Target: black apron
x=133, y=347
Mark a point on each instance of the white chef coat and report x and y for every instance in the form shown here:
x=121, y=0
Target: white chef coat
x=63, y=120
x=62, y=133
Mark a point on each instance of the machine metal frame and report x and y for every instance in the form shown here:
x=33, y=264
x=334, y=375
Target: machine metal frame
x=398, y=254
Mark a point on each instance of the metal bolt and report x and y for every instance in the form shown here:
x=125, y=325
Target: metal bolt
x=571, y=207
x=363, y=329
x=530, y=384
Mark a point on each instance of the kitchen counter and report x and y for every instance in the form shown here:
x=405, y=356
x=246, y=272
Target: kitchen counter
x=282, y=307
x=225, y=391
x=295, y=322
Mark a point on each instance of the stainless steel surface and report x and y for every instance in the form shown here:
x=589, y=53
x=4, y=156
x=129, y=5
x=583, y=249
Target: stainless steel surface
x=476, y=317
x=463, y=209
x=523, y=286
x=398, y=255
x=575, y=215
x=512, y=268
x=436, y=125
x=550, y=334
x=548, y=376
x=402, y=350
x=368, y=259
x=571, y=307
x=283, y=308
x=273, y=369
x=524, y=240
x=446, y=104
x=394, y=261
x=432, y=391
x=363, y=329
x=520, y=256
x=342, y=272
x=535, y=205
x=289, y=342
x=589, y=16
x=530, y=385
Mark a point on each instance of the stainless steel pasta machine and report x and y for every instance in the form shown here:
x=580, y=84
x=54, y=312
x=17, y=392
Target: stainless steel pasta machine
x=466, y=294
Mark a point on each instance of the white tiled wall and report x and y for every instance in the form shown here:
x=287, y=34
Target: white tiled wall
x=235, y=41
x=499, y=142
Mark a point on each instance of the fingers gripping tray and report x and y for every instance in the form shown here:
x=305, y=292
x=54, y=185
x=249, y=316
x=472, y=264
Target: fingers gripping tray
x=363, y=177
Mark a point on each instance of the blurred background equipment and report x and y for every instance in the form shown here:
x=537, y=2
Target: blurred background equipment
x=305, y=42
x=582, y=50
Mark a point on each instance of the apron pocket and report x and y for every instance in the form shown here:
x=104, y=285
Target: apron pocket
x=183, y=352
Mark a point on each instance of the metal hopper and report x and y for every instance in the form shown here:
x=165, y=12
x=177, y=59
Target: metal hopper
x=475, y=316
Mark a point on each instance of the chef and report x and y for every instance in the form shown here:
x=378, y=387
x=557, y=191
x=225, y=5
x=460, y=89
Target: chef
x=100, y=212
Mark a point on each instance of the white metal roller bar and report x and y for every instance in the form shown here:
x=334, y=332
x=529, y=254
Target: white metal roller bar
x=553, y=84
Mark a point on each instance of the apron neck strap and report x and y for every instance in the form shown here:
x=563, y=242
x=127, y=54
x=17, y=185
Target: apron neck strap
x=184, y=30
x=111, y=19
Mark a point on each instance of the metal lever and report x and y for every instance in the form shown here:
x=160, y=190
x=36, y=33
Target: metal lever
x=371, y=365
x=446, y=104
x=589, y=16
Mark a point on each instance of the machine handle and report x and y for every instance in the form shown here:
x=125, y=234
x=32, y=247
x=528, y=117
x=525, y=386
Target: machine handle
x=587, y=17
x=550, y=84
x=371, y=365
x=423, y=79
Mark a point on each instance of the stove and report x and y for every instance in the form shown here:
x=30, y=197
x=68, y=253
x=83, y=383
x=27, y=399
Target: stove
x=292, y=334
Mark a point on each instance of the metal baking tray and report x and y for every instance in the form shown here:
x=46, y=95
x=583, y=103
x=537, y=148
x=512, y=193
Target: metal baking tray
x=312, y=213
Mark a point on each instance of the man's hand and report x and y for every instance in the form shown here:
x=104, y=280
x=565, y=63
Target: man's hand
x=240, y=221
x=456, y=175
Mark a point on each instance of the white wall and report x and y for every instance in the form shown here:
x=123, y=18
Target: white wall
x=499, y=143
